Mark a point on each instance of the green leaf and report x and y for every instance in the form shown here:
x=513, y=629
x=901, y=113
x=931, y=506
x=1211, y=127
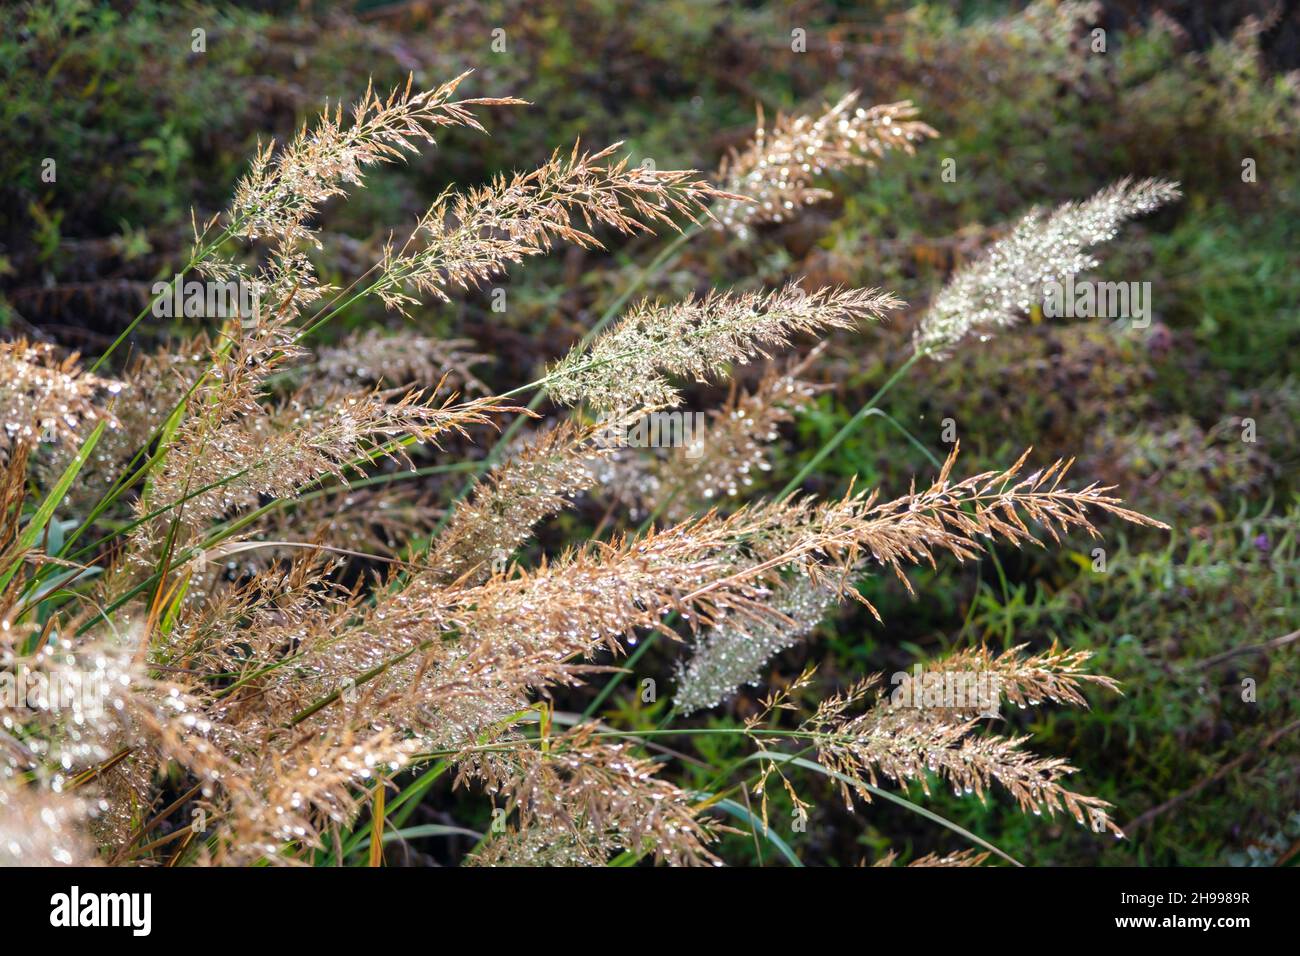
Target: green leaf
x=31, y=532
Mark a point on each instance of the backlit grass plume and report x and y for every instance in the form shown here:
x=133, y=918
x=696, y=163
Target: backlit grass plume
x=630, y=364
x=998, y=289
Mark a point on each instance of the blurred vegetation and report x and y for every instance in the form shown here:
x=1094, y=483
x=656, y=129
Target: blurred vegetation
x=143, y=128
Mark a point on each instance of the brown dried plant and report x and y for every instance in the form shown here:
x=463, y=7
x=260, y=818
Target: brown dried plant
x=276, y=630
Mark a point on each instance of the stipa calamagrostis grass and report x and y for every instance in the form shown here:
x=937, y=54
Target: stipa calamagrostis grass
x=465, y=238
x=285, y=188
x=275, y=696
x=629, y=365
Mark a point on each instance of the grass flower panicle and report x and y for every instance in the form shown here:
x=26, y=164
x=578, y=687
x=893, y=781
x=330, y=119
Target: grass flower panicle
x=998, y=289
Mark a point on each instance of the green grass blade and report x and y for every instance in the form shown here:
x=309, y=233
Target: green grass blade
x=742, y=812
x=28, y=537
